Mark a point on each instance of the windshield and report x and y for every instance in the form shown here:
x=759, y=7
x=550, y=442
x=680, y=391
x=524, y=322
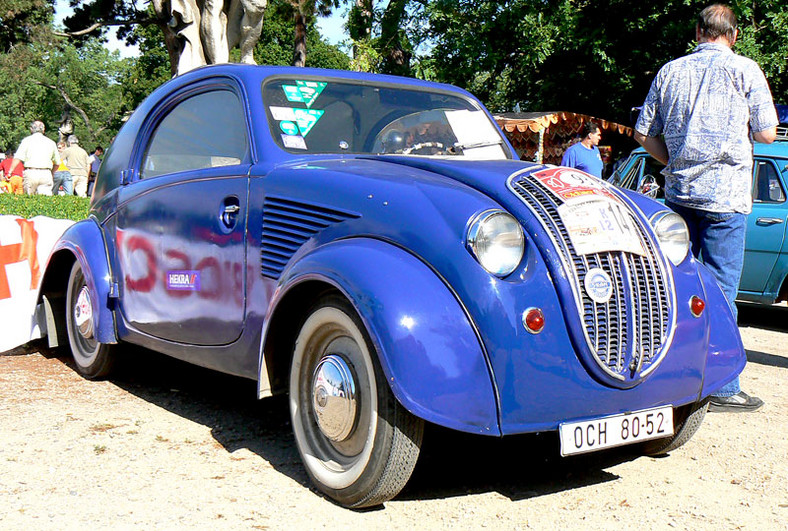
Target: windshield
x=330, y=116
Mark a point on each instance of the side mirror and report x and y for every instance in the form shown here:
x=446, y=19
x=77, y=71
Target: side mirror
x=649, y=187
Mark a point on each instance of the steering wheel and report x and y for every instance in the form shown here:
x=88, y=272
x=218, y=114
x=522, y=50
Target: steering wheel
x=420, y=145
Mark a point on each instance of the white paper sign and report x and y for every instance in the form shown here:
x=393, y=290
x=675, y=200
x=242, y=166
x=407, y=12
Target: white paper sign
x=598, y=224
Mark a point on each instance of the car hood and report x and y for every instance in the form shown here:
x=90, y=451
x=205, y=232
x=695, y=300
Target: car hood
x=488, y=177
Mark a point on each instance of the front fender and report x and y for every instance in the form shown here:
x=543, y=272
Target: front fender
x=726, y=349
x=85, y=241
x=427, y=345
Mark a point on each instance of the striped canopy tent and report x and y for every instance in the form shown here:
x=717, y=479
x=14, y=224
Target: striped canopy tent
x=544, y=136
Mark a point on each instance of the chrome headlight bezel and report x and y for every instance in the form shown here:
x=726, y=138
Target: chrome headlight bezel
x=672, y=234
x=495, y=239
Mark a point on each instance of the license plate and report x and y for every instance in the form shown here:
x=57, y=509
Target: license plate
x=617, y=430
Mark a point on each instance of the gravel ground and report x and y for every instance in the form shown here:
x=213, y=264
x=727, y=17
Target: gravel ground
x=169, y=446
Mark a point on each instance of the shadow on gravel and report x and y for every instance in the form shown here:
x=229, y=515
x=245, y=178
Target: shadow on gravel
x=766, y=317
x=451, y=463
x=518, y=467
x=774, y=318
x=226, y=404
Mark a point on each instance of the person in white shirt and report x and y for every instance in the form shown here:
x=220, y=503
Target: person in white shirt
x=40, y=157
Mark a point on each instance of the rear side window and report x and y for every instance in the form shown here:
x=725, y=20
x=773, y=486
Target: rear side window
x=766, y=186
x=204, y=131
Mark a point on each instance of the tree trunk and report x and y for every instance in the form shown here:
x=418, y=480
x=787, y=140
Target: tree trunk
x=299, y=52
x=396, y=58
x=363, y=32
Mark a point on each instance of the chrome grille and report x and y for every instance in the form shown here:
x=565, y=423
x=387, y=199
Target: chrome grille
x=626, y=336
x=287, y=224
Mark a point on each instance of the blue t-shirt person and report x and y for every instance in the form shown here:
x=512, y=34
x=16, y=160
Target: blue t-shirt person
x=585, y=154
x=587, y=159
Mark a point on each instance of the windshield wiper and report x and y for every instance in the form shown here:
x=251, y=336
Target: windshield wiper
x=458, y=146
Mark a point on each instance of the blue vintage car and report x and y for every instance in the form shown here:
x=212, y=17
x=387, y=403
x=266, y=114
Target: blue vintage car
x=371, y=246
x=765, y=274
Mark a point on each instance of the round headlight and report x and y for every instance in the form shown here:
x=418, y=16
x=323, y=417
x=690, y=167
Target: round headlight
x=673, y=235
x=496, y=240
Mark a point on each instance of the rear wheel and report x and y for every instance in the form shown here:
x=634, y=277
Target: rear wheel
x=686, y=421
x=358, y=444
x=93, y=359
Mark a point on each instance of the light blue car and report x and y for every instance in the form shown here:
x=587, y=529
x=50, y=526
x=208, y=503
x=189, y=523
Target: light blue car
x=766, y=254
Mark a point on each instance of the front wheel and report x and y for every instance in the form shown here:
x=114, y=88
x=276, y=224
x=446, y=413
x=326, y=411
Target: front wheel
x=93, y=359
x=686, y=421
x=358, y=444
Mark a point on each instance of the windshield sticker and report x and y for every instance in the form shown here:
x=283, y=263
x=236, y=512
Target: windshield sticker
x=288, y=127
x=293, y=142
x=304, y=91
x=598, y=224
x=305, y=118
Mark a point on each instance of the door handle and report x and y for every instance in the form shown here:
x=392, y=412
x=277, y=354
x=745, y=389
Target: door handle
x=768, y=221
x=230, y=210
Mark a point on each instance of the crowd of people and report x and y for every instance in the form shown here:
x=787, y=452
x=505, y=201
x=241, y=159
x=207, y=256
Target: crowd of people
x=39, y=166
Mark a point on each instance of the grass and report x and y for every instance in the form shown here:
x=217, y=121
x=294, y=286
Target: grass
x=58, y=207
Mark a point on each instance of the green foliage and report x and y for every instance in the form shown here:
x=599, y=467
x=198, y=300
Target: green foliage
x=23, y=21
x=52, y=81
x=275, y=46
x=149, y=70
x=386, y=38
x=58, y=207
x=596, y=57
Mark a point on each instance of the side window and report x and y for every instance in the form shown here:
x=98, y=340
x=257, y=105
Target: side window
x=204, y=131
x=766, y=187
x=629, y=180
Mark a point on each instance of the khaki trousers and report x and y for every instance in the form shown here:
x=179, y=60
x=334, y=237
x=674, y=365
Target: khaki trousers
x=80, y=184
x=37, y=182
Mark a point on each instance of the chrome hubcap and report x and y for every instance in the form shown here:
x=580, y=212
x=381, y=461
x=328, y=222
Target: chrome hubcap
x=334, y=398
x=83, y=313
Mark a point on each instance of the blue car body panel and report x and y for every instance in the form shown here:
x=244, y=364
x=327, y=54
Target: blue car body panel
x=202, y=259
x=428, y=347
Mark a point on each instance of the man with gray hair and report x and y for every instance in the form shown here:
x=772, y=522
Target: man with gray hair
x=700, y=118
x=76, y=159
x=40, y=157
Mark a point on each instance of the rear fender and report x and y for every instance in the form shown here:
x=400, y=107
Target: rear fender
x=85, y=241
x=428, y=347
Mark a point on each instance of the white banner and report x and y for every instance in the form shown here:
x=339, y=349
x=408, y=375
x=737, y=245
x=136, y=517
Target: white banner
x=25, y=245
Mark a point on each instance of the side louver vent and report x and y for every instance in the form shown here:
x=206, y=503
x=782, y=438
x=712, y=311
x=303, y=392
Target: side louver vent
x=287, y=224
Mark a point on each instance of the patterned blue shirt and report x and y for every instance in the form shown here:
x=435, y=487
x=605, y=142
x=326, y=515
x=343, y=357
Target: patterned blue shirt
x=705, y=104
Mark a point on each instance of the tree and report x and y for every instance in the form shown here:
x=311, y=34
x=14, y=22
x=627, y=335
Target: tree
x=385, y=38
x=595, y=58
x=24, y=21
x=303, y=13
x=57, y=82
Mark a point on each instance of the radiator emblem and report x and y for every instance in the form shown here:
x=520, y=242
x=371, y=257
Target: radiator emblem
x=598, y=285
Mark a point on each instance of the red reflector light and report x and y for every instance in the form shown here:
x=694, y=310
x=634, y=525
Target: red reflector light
x=533, y=320
x=697, y=305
